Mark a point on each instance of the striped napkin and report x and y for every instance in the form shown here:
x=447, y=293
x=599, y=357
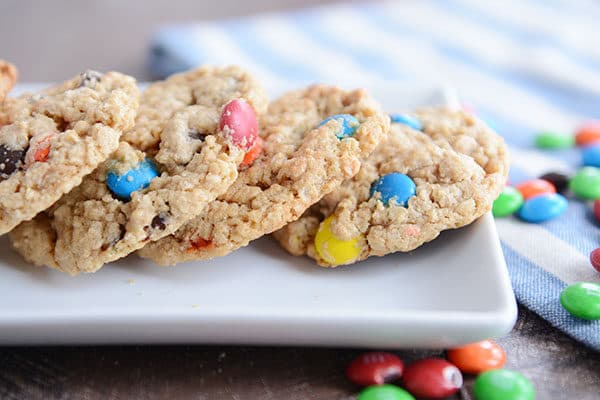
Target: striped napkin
x=525, y=66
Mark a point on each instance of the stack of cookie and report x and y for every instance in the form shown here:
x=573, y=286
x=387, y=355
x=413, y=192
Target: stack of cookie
x=201, y=164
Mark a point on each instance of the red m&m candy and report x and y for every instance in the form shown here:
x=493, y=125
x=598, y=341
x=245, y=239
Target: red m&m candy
x=375, y=368
x=432, y=378
x=595, y=259
x=535, y=187
x=239, y=121
x=478, y=357
x=588, y=133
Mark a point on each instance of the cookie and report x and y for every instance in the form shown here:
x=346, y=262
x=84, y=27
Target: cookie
x=312, y=140
x=415, y=185
x=192, y=153
x=8, y=77
x=50, y=140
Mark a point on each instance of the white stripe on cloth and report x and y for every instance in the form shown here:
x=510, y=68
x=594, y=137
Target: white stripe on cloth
x=493, y=46
x=577, y=32
x=546, y=251
x=418, y=58
x=535, y=163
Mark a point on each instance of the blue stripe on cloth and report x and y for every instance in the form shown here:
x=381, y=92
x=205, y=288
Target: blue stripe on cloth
x=568, y=98
x=519, y=33
x=539, y=291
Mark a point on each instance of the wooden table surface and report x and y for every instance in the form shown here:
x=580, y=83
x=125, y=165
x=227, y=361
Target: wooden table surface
x=52, y=40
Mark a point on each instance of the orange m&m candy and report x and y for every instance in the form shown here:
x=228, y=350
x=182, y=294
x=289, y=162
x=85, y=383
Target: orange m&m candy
x=477, y=357
x=588, y=133
x=252, y=154
x=535, y=187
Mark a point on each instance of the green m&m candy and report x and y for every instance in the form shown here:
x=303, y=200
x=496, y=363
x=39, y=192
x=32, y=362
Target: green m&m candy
x=503, y=384
x=582, y=300
x=509, y=202
x=554, y=140
x=385, y=392
x=586, y=183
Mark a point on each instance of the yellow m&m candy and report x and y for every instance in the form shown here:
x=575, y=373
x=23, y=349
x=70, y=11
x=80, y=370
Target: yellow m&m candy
x=333, y=250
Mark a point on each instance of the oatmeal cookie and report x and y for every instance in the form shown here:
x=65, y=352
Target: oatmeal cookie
x=51, y=140
x=180, y=155
x=8, y=77
x=414, y=186
x=312, y=140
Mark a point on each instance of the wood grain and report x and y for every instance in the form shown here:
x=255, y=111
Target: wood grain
x=559, y=367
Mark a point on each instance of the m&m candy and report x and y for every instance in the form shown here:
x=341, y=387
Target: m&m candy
x=503, y=384
x=385, y=392
x=509, y=202
x=560, y=181
x=582, y=300
x=375, y=368
x=535, y=187
x=133, y=180
x=394, y=187
x=348, y=124
x=406, y=120
x=591, y=155
x=238, y=119
x=332, y=249
x=595, y=259
x=477, y=357
x=586, y=183
x=588, y=133
x=554, y=140
x=432, y=378
x=543, y=207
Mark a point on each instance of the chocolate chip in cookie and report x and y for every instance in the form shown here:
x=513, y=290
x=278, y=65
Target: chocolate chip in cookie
x=10, y=160
x=90, y=78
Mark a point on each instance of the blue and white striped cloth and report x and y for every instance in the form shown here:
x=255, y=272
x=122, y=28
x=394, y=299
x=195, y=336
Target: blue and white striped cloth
x=524, y=65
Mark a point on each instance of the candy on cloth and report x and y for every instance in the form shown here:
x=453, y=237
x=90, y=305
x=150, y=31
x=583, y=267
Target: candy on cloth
x=375, y=368
x=123, y=185
x=508, y=203
x=595, y=259
x=432, y=378
x=125, y=203
x=348, y=123
x=582, y=300
x=543, y=207
x=385, y=392
x=560, y=181
x=586, y=183
x=554, y=140
x=459, y=167
x=406, y=120
x=394, y=186
x=299, y=164
x=535, y=187
x=239, y=120
x=591, y=155
x=56, y=137
x=588, y=133
x=333, y=250
x=503, y=384
x=475, y=358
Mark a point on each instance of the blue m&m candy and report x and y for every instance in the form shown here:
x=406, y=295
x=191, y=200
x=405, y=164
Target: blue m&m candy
x=406, y=120
x=394, y=186
x=543, y=207
x=591, y=155
x=349, y=124
x=124, y=185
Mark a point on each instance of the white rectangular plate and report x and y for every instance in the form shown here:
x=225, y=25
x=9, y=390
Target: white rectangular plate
x=451, y=291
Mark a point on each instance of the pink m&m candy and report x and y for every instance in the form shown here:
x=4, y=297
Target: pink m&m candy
x=239, y=121
x=375, y=368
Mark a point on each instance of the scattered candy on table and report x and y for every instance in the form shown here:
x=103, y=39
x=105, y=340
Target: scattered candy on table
x=586, y=183
x=133, y=180
x=560, y=181
x=239, y=120
x=582, y=300
x=503, y=384
x=543, y=207
x=535, y=187
x=396, y=186
x=588, y=133
x=332, y=249
x=349, y=124
x=554, y=140
x=375, y=368
x=385, y=392
x=432, y=378
x=595, y=259
x=406, y=120
x=590, y=155
x=509, y=202
x=477, y=357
